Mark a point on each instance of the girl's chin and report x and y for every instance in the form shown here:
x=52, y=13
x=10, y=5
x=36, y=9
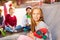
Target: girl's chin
x=36, y=20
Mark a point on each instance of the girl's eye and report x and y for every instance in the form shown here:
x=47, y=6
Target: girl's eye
x=33, y=13
x=38, y=13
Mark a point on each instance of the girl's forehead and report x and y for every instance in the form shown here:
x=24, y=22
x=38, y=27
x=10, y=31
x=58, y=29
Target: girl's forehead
x=36, y=10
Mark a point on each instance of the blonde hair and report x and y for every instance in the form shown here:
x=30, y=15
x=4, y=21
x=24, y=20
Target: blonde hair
x=10, y=9
x=33, y=23
x=0, y=10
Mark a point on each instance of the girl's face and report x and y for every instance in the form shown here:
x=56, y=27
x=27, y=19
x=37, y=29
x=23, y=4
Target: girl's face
x=28, y=11
x=11, y=11
x=36, y=14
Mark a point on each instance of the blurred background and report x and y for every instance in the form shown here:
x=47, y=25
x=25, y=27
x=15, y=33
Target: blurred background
x=51, y=11
x=19, y=2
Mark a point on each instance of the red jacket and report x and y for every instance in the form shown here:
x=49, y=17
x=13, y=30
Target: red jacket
x=12, y=21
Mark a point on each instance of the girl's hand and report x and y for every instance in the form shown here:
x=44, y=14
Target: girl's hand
x=13, y=28
x=27, y=24
x=1, y=29
x=30, y=34
x=10, y=26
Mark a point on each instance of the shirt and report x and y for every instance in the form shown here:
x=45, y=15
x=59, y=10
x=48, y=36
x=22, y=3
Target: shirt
x=26, y=20
x=11, y=20
x=43, y=25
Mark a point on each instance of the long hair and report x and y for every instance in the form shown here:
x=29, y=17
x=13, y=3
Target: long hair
x=0, y=10
x=33, y=23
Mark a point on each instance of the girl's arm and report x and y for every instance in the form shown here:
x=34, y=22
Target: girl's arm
x=15, y=22
x=42, y=27
x=24, y=21
x=49, y=35
x=10, y=26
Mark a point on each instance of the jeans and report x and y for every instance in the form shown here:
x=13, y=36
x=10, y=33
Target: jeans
x=7, y=28
x=26, y=28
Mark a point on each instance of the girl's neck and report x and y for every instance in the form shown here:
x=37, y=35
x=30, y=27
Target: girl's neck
x=11, y=15
x=37, y=22
x=28, y=13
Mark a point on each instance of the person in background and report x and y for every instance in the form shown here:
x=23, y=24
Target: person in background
x=3, y=32
x=11, y=22
x=27, y=19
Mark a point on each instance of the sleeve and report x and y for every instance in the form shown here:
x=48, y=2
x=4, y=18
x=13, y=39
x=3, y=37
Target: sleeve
x=43, y=25
x=49, y=35
x=15, y=22
x=24, y=21
x=6, y=20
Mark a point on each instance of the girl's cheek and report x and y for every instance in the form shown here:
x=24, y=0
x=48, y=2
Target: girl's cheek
x=38, y=16
x=33, y=16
